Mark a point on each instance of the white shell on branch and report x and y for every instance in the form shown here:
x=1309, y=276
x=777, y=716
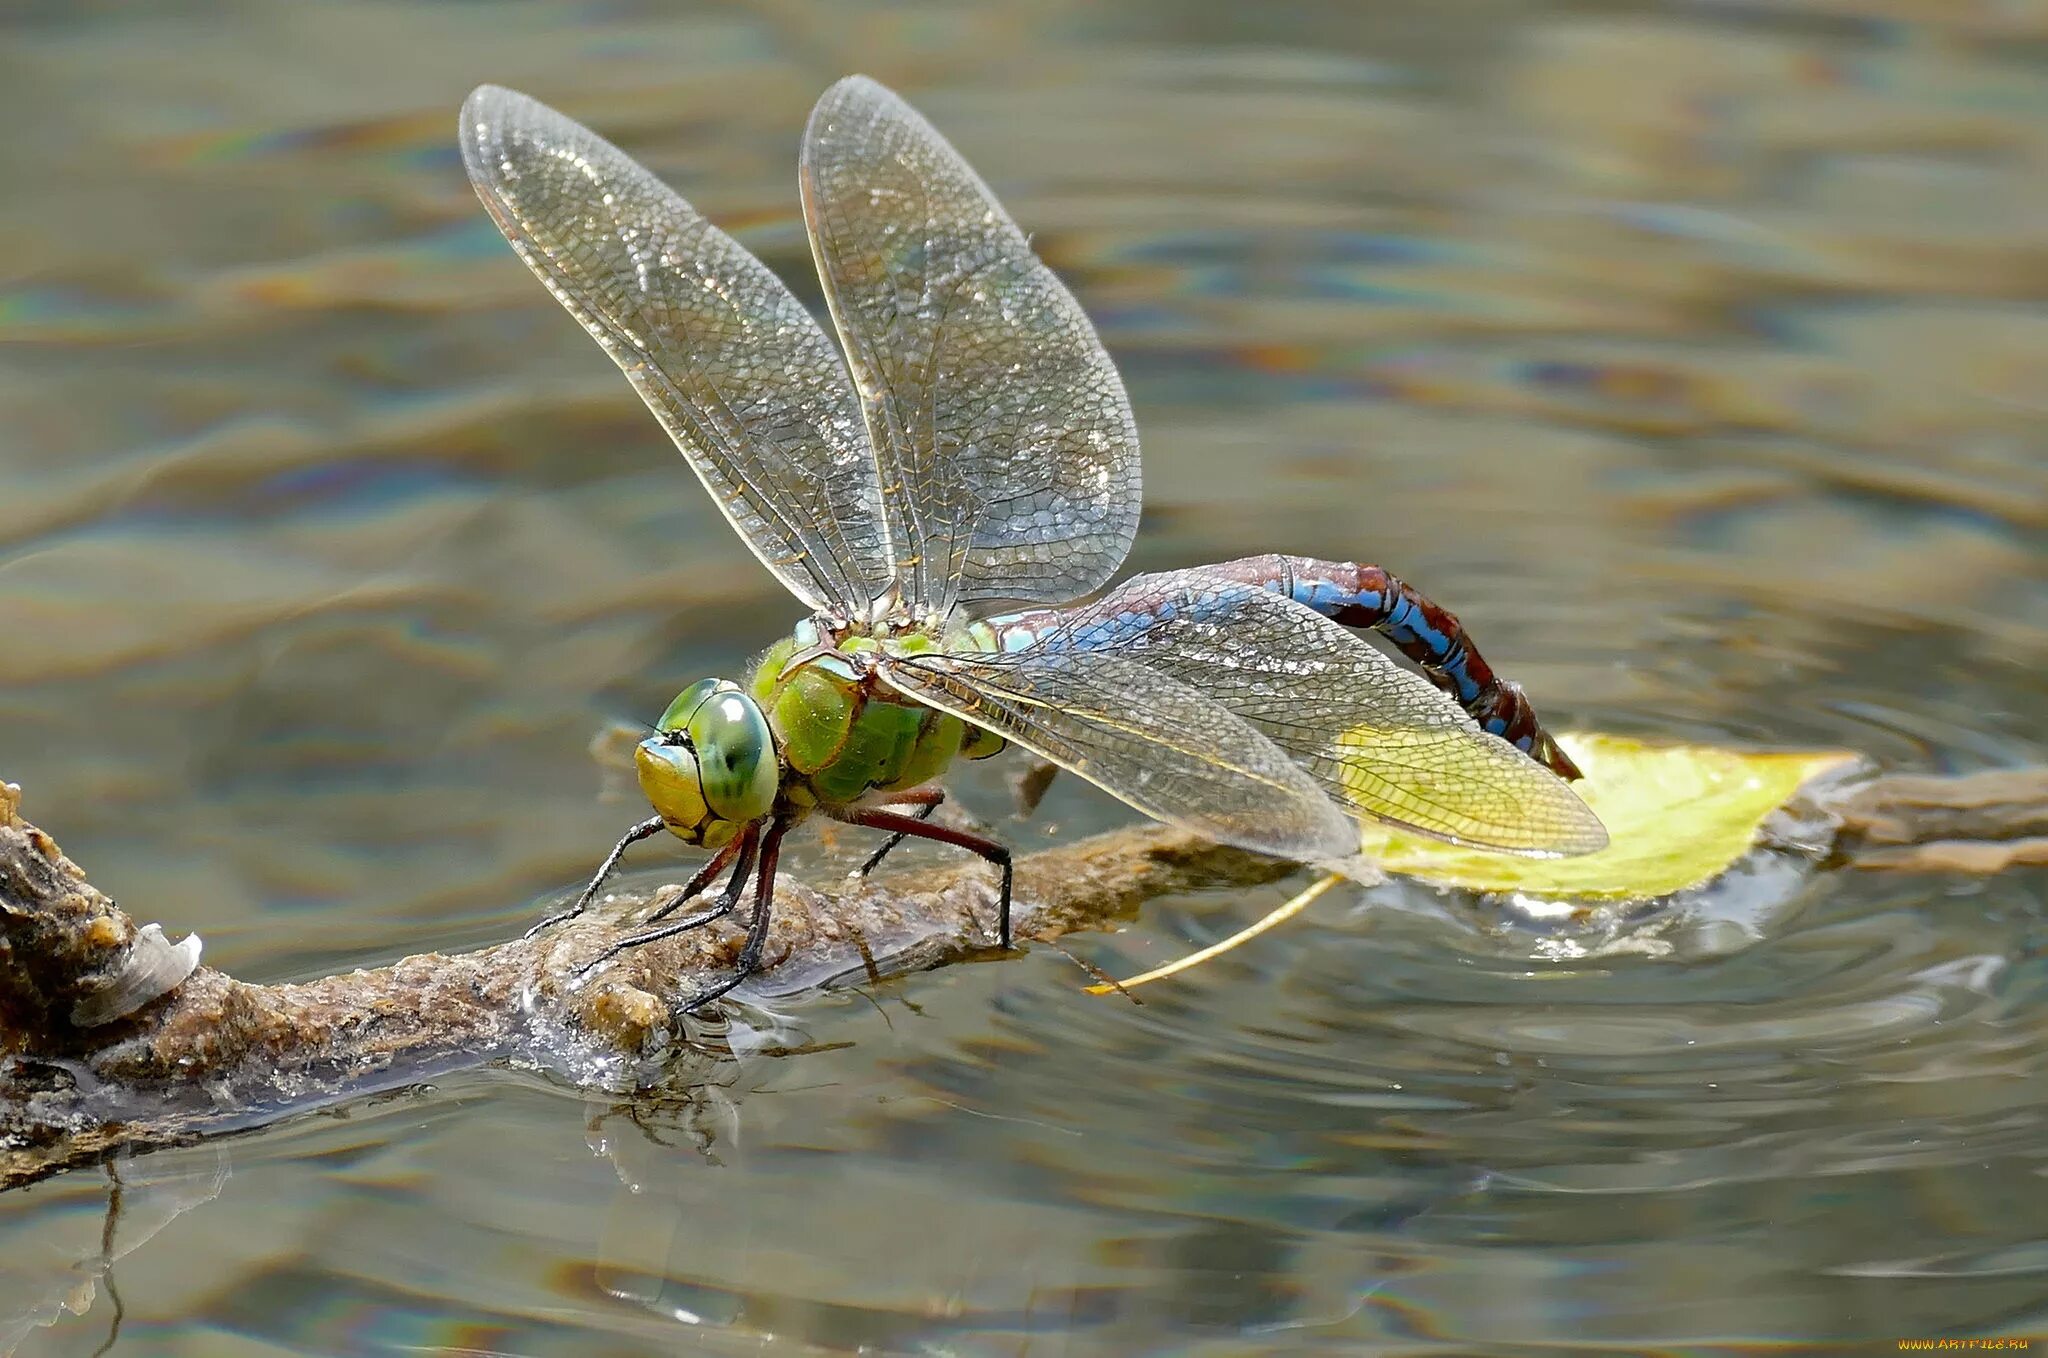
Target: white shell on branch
x=152, y=967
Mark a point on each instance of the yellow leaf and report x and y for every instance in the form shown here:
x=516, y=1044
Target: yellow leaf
x=1676, y=815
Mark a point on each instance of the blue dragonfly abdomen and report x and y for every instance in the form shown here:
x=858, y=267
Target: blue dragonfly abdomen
x=1351, y=593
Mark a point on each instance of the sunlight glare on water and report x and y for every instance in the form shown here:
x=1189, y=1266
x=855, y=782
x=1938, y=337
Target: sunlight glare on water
x=1694, y=354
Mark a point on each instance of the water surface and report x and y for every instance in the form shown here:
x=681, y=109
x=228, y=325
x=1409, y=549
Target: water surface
x=1695, y=354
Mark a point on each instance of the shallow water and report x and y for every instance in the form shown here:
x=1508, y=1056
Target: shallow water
x=1695, y=354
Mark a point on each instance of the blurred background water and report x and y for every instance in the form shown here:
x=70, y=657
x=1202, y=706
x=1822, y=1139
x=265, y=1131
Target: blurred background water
x=1696, y=354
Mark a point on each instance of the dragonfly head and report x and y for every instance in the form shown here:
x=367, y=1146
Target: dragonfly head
x=710, y=767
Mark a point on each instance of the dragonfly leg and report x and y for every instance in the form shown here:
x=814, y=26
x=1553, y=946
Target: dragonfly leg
x=711, y=869
x=1368, y=596
x=646, y=829
x=880, y=818
x=927, y=799
x=757, y=930
x=743, y=846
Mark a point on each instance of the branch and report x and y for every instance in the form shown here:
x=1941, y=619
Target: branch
x=1982, y=823
x=85, y=1074
x=220, y=1054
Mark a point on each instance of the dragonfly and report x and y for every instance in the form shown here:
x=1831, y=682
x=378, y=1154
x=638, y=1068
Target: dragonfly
x=939, y=488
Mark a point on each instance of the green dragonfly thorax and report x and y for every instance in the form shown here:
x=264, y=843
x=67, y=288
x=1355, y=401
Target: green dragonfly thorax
x=840, y=732
x=812, y=726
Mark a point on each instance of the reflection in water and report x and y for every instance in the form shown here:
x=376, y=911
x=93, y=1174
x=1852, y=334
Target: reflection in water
x=669, y=1234
x=58, y=1265
x=1694, y=354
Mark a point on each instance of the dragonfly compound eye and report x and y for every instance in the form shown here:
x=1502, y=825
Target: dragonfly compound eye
x=668, y=775
x=686, y=703
x=736, y=761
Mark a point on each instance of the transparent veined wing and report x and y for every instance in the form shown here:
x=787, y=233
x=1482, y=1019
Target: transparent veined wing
x=1143, y=737
x=743, y=378
x=1009, y=459
x=1379, y=739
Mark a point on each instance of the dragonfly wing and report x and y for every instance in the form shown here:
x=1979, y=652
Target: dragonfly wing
x=1379, y=739
x=1009, y=459
x=1141, y=736
x=745, y=381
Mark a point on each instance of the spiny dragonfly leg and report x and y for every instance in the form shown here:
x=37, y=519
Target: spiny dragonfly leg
x=711, y=869
x=927, y=799
x=877, y=818
x=742, y=846
x=651, y=826
x=757, y=931
x=1367, y=596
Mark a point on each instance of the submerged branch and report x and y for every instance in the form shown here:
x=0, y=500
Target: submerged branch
x=1980, y=824
x=85, y=1074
